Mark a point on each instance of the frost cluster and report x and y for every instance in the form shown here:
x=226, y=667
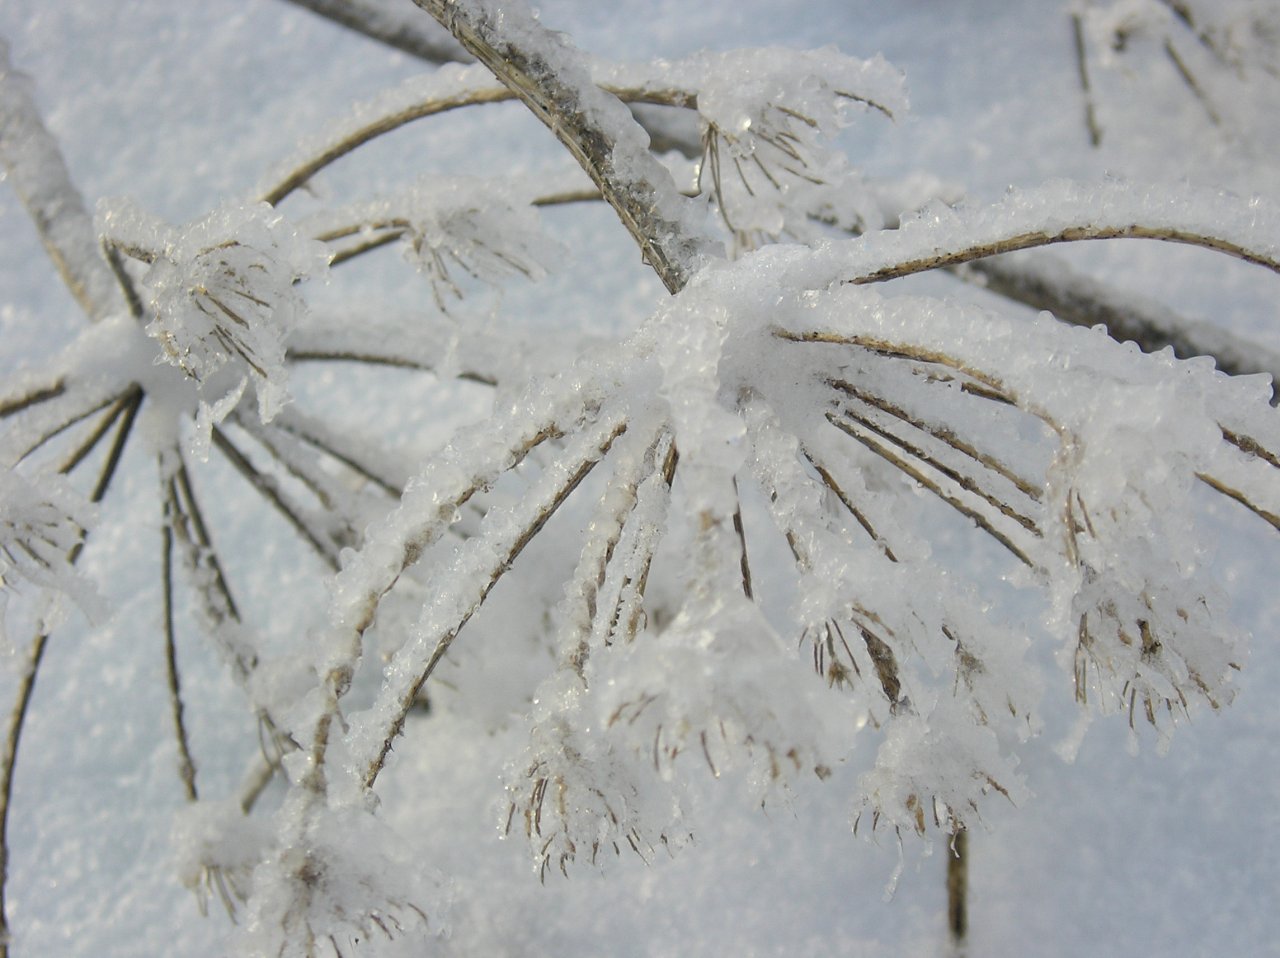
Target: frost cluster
x=484, y=229
x=40, y=528
x=223, y=297
x=769, y=117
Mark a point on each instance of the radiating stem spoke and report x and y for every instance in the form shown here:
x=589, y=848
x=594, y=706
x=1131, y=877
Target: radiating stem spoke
x=269, y=489
x=186, y=765
x=869, y=439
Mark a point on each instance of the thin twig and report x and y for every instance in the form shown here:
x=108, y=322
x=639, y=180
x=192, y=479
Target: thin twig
x=256, y=781
x=1082, y=68
x=958, y=887
x=16, y=404
x=186, y=765
x=475, y=96
x=884, y=347
x=1192, y=84
x=76, y=417
x=1070, y=234
x=1083, y=301
x=127, y=287
x=859, y=432
x=349, y=458
x=629, y=609
x=385, y=124
x=964, y=481
x=829, y=481
x=741, y=532
x=269, y=489
x=13, y=737
x=1240, y=497
x=134, y=396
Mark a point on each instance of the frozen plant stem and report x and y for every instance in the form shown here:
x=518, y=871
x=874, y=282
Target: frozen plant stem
x=552, y=79
x=958, y=888
x=1082, y=68
x=1070, y=234
x=1081, y=301
x=186, y=766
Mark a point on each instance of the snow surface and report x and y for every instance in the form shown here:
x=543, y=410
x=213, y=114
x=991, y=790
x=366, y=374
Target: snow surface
x=186, y=109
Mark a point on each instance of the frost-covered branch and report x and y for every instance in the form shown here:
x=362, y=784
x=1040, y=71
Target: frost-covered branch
x=480, y=564
x=554, y=81
x=36, y=169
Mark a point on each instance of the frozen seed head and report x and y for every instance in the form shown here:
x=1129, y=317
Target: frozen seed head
x=37, y=532
x=473, y=227
x=224, y=295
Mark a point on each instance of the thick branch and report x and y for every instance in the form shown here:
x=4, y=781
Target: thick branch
x=553, y=80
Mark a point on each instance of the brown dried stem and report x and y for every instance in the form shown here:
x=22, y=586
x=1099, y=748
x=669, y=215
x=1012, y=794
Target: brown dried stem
x=186, y=765
x=858, y=430
x=1070, y=234
x=1082, y=70
x=267, y=487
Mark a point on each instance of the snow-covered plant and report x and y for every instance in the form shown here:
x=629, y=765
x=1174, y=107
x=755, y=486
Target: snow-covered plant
x=740, y=516
x=222, y=299
x=40, y=532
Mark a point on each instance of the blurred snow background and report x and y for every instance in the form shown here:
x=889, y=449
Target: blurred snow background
x=184, y=106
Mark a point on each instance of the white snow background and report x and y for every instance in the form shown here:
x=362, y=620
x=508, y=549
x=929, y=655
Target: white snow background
x=182, y=106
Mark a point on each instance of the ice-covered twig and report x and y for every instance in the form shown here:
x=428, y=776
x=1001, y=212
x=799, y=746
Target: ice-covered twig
x=39, y=176
x=186, y=764
x=444, y=90
x=127, y=404
x=186, y=518
x=8, y=760
x=305, y=524
x=361, y=458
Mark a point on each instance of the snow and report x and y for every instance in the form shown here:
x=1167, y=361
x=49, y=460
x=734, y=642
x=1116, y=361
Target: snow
x=1110, y=854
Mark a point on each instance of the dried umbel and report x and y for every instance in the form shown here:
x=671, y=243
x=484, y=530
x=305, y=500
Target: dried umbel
x=220, y=296
x=37, y=531
x=40, y=530
x=223, y=298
